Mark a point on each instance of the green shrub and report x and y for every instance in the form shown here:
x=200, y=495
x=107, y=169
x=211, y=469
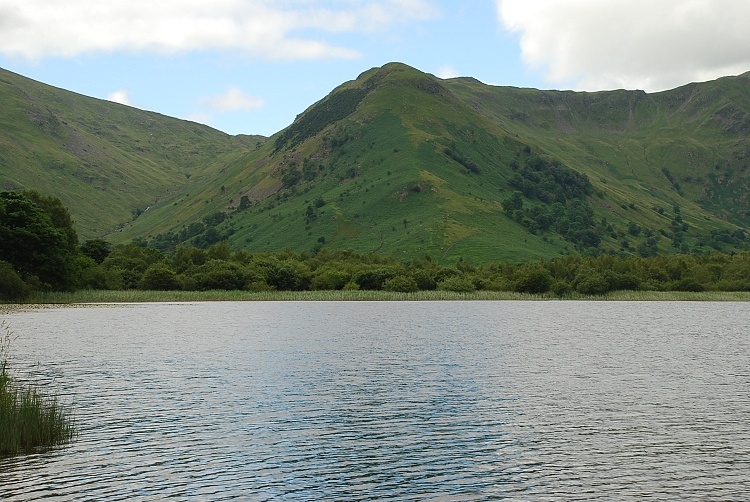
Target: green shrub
x=351, y=286
x=373, y=279
x=330, y=279
x=561, y=288
x=686, y=285
x=457, y=284
x=534, y=280
x=592, y=285
x=216, y=274
x=160, y=278
x=288, y=276
x=12, y=288
x=424, y=278
x=402, y=284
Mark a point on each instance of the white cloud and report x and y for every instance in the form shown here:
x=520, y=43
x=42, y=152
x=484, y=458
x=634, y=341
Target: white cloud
x=281, y=29
x=645, y=44
x=122, y=96
x=231, y=100
x=447, y=72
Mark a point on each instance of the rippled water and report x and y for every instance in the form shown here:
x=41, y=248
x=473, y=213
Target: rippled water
x=408, y=401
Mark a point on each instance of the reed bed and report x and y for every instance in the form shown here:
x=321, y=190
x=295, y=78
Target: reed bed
x=139, y=296
x=29, y=419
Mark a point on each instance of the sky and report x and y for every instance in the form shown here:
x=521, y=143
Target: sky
x=250, y=66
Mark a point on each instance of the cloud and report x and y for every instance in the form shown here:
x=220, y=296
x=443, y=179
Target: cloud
x=447, y=72
x=122, y=96
x=232, y=99
x=641, y=44
x=281, y=29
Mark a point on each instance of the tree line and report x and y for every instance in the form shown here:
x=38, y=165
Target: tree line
x=39, y=251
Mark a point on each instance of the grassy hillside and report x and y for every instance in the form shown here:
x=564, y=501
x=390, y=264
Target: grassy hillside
x=687, y=146
x=107, y=162
x=400, y=162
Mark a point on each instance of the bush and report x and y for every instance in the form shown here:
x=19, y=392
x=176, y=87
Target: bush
x=561, y=288
x=686, y=285
x=534, y=280
x=160, y=278
x=288, y=276
x=457, y=284
x=12, y=288
x=373, y=279
x=329, y=280
x=216, y=274
x=424, y=279
x=401, y=283
x=592, y=285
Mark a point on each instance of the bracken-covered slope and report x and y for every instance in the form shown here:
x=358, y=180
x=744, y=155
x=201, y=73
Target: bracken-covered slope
x=400, y=162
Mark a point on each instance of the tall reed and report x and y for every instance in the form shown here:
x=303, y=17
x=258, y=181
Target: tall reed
x=29, y=418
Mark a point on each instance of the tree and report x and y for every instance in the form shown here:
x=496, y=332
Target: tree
x=159, y=277
x=11, y=286
x=59, y=215
x=401, y=283
x=40, y=247
x=534, y=279
x=96, y=249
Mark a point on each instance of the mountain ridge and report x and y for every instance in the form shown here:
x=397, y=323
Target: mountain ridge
x=398, y=161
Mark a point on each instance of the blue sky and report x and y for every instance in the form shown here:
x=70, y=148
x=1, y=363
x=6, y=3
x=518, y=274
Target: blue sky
x=250, y=66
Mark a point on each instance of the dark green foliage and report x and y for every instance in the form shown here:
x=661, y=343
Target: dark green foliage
x=469, y=164
x=214, y=219
x=190, y=268
x=12, y=287
x=330, y=279
x=457, y=284
x=244, y=203
x=533, y=279
x=687, y=284
x=335, y=107
x=126, y=265
x=513, y=203
x=292, y=176
x=424, y=277
x=160, y=278
x=286, y=276
x=550, y=181
x=215, y=274
x=96, y=249
x=39, y=245
x=59, y=215
x=562, y=201
x=401, y=283
x=373, y=278
x=595, y=284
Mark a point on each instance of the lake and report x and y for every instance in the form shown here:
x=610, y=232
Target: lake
x=557, y=400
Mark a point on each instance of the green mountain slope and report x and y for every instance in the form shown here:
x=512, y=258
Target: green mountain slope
x=400, y=162
x=107, y=162
x=684, y=146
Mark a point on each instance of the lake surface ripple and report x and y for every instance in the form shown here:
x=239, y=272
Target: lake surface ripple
x=391, y=400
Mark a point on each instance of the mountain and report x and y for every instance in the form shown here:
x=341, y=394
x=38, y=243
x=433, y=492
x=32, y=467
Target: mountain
x=106, y=162
x=403, y=163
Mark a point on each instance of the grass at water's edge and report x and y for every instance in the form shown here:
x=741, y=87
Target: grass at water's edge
x=29, y=418
x=137, y=296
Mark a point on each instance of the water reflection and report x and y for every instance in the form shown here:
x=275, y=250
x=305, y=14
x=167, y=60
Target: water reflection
x=410, y=401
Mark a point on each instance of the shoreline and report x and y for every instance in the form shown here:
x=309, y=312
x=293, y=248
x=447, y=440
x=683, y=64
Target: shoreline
x=100, y=297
